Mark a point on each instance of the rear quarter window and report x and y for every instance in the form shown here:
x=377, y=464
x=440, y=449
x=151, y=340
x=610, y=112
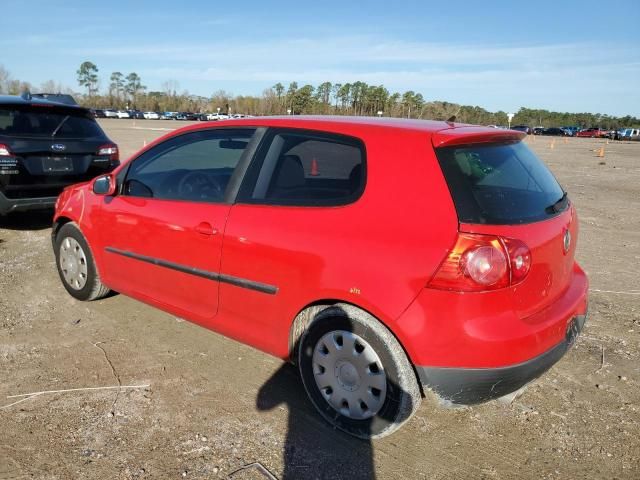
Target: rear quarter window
x=500, y=184
x=306, y=168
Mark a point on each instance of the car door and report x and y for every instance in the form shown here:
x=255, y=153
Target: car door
x=162, y=234
x=297, y=205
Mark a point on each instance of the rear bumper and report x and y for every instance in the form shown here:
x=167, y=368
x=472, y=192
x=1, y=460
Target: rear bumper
x=475, y=385
x=8, y=205
x=488, y=329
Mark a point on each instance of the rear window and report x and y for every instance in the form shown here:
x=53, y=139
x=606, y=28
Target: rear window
x=500, y=184
x=20, y=121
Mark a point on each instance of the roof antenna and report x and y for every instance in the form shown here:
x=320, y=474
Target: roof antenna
x=26, y=95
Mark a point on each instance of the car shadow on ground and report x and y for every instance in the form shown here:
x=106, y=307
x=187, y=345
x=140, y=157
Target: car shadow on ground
x=34, y=220
x=313, y=449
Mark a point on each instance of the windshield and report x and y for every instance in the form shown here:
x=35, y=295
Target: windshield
x=49, y=122
x=500, y=184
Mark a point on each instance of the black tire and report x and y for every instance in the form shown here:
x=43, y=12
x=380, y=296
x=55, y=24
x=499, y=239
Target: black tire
x=402, y=391
x=93, y=288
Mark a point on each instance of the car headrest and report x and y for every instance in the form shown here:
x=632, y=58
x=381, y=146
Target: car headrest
x=290, y=172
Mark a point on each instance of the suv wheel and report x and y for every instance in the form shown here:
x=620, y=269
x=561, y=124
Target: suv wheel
x=76, y=266
x=356, y=373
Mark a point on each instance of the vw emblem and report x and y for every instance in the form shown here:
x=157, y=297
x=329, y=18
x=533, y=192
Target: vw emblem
x=566, y=242
x=58, y=147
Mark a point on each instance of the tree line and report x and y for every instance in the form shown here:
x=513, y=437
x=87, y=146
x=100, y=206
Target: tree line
x=126, y=91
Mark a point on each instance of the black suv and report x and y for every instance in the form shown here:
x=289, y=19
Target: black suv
x=45, y=146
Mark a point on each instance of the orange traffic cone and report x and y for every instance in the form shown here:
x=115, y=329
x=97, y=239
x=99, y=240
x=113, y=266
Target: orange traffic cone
x=314, y=168
x=600, y=153
x=552, y=145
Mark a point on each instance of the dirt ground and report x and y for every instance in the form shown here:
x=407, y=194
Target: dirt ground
x=212, y=406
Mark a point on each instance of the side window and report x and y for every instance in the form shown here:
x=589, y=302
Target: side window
x=309, y=169
x=195, y=166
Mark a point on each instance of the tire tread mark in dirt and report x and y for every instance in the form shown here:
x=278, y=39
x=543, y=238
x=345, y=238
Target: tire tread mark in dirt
x=115, y=374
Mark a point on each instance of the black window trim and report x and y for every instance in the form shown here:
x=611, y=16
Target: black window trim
x=244, y=194
x=238, y=173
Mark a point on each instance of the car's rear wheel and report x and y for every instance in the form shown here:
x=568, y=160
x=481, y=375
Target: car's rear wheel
x=356, y=373
x=76, y=265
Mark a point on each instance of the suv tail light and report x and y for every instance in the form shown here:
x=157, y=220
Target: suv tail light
x=111, y=150
x=4, y=150
x=483, y=262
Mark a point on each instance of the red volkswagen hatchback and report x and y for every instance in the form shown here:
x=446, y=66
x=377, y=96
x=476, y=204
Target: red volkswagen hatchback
x=379, y=255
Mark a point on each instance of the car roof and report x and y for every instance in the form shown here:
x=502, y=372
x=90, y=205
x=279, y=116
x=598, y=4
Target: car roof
x=442, y=133
x=36, y=101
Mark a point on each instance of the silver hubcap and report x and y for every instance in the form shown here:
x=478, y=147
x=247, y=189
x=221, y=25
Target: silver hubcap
x=349, y=374
x=73, y=263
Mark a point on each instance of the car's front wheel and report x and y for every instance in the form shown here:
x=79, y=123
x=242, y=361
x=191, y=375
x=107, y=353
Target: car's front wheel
x=76, y=266
x=356, y=373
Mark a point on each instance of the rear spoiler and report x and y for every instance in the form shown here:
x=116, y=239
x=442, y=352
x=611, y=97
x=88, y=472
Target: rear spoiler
x=474, y=135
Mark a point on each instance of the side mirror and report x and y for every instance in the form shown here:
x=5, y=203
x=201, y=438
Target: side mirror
x=104, y=185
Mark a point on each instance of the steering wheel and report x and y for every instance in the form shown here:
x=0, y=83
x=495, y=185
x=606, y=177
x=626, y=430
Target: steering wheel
x=199, y=186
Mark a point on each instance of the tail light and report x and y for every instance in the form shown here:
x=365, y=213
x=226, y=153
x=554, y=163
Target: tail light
x=4, y=150
x=483, y=262
x=111, y=150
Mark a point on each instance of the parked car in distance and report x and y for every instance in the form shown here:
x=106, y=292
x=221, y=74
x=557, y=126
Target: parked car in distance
x=571, y=130
x=538, y=130
x=110, y=113
x=629, y=134
x=523, y=128
x=187, y=116
x=278, y=220
x=123, y=114
x=97, y=113
x=217, y=116
x=137, y=114
x=151, y=115
x=169, y=115
x=554, y=131
x=46, y=146
x=592, y=133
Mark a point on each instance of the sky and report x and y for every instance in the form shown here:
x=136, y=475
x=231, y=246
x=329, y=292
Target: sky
x=563, y=55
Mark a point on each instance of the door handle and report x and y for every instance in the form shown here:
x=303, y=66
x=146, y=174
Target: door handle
x=205, y=228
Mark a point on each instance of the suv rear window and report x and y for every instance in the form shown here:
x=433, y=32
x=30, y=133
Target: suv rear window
x=34, y=121
x=500, y=184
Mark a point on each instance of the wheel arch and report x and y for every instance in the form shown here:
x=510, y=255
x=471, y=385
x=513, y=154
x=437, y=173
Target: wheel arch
x=306, y=315
x=58, y=223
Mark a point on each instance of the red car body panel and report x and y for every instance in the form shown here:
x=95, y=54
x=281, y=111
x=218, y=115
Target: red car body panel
x=164, y=230
x=378, y=253
x=509, y=325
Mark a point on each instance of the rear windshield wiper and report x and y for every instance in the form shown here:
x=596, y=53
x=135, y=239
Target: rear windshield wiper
x=558, y=206
x=60, y=125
